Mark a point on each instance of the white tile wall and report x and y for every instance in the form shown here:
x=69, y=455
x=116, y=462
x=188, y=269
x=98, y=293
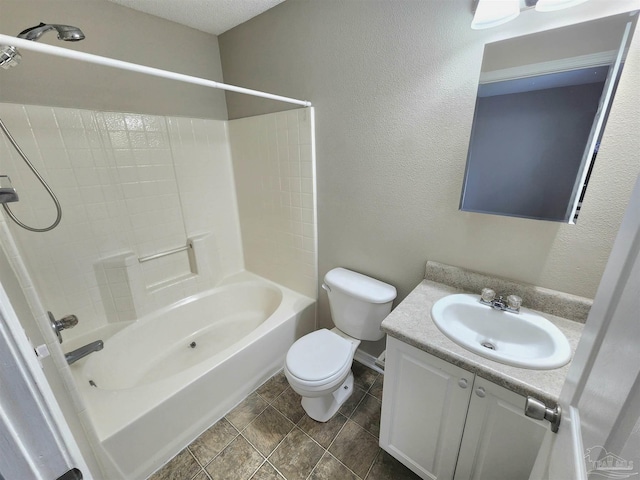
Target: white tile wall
x=127, y=183
x=273, y=160
x=135, y=185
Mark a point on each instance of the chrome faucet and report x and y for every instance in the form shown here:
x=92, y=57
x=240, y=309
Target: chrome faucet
x=511, y=304
x=78, y=353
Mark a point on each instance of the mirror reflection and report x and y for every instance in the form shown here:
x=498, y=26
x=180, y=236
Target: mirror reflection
x=541, y=107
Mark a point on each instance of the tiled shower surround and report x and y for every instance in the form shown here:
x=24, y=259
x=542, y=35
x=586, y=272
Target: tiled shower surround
x=133, y=185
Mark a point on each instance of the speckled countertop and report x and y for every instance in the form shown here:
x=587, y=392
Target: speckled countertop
x=411, y=323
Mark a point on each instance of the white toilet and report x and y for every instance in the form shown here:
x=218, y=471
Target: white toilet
x=318, y=365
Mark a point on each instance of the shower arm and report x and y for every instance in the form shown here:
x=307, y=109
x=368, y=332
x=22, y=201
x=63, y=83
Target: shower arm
x=134, y=67
x=42, y=181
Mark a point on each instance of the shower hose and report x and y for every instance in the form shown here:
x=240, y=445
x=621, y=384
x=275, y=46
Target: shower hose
x=39, y=177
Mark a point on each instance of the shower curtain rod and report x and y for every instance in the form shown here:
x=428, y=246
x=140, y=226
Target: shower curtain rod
x=134, y=67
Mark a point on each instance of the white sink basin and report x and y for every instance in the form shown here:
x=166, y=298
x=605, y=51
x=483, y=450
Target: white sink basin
x=522, y=339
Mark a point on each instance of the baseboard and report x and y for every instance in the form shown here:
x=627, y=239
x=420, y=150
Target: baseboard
x=367, y=360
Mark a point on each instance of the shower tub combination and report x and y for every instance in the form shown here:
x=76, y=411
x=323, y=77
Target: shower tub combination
x=163, y=380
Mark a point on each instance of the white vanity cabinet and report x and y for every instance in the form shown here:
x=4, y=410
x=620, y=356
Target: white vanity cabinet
x=442, y=422
x=424, y=406
x=499, y=441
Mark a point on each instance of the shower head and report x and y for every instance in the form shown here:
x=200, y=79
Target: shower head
x=9, y=55
x=67, y=33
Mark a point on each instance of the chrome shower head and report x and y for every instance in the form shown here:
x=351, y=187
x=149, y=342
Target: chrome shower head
x=67, y=33
x=9, y=55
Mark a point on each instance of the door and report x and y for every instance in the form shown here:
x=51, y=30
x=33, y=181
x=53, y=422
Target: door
x=32, y=444
x=599, y=435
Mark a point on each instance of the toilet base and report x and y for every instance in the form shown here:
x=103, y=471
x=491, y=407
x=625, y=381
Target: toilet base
x=322, y=409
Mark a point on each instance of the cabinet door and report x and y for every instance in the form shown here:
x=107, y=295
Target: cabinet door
x=499, y=441
x=424, y=405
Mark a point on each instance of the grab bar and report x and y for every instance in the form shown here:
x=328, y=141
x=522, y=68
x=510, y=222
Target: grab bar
x=168, y=252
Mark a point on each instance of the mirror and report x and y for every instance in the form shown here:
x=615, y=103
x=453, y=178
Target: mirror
x=542, y=103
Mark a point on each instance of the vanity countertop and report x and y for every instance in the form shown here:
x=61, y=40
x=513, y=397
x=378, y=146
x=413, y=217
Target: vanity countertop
x=411, y=323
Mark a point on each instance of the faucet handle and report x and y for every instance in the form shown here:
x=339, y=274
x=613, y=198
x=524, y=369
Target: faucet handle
x=487, y=295
x=514, y=302
x=57, y=326
x=68, y=321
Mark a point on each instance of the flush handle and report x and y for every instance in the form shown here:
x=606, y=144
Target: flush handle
x=534, y=408
x=326, y=287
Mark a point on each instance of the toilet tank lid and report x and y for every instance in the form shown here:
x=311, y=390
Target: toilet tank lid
x=360, y=286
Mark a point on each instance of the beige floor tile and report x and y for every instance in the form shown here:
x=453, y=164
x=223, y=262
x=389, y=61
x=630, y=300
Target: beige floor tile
x=363, y=377
x=296, y=456
x=288, y=403
x=267, y=472
x=323, y=433
x=213, y=441
x=376, y=388
x=246, y=411
x=367, y=414
x=350, y=405
x=388, y=468
x=239, y=461
x=329, y=468
x=181, y=466
x=355, y=447
x=273, y=387
x=267, y=430
x=201, y=476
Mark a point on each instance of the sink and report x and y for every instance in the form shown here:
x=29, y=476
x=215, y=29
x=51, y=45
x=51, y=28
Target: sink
x=524, y=339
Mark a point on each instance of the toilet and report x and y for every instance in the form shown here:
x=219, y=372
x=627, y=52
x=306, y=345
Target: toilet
x=318, y=365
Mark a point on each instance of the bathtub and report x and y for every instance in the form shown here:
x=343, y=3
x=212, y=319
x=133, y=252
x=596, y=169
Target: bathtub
x=161, y=381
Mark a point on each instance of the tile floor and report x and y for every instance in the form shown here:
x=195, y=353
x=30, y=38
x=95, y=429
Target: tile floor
x=269, y=437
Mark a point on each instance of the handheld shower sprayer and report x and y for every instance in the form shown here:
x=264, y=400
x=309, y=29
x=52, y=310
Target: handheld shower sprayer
x=9, y=55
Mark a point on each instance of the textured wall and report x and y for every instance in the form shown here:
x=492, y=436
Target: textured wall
x=394, y=86
x=118, y=32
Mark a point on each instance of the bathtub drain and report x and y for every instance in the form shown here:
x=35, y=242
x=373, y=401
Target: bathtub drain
x=192, y=345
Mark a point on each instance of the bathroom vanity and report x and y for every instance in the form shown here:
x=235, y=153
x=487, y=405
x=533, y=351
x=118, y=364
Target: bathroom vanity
x=450, y=413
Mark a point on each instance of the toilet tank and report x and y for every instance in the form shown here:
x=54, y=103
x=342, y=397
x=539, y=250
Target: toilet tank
x=358, y=303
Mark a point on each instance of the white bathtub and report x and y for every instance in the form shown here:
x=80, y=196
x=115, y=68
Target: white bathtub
x=166, y=378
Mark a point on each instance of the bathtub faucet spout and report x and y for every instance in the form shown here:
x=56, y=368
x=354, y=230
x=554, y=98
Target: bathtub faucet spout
x=82, y=352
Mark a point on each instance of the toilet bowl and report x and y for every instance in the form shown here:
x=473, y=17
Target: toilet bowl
x=318, y=365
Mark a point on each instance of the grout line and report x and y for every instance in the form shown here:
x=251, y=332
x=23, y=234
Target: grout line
x=223, y=448
x=373, y=463
x=295, y=425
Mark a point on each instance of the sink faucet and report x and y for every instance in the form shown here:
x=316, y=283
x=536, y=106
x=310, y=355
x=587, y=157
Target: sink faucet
x=77, y=354
x=511, y=304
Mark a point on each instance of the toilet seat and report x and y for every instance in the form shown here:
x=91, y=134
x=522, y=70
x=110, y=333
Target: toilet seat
x=319, y=358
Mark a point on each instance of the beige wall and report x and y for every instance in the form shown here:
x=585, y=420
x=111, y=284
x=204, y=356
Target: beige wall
x=394, y=87
x=118, y=32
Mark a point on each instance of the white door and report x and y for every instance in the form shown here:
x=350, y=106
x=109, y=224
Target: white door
x=599, y=435
x=33, y=442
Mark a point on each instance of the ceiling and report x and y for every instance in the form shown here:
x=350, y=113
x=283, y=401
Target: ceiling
x=211, y=16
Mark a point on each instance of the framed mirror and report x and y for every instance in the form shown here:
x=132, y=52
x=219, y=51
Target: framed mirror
x=542, y=105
